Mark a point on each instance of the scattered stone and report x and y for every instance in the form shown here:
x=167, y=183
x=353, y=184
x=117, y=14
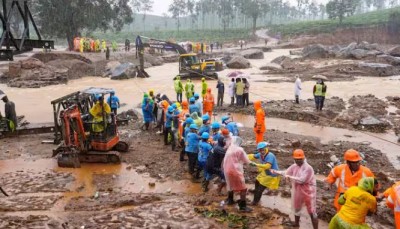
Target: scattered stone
x=315, y=52
x=395, y=51
x=296, y=143
x=271, y=67
x=152, y=184
x=395, y=61
x=123, y=71
x=377, y=69
x=238, y=62
x=252, y=54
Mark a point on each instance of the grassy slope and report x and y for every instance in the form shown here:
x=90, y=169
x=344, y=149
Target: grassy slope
x=325, y=26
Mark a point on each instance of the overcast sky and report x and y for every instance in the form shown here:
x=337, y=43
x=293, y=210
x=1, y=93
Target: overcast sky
x=161, y=6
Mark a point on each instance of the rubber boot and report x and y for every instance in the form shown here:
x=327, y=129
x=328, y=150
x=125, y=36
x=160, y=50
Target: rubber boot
x=314, y=221
x=243, y=206
x=230, y=200
x=204, y=185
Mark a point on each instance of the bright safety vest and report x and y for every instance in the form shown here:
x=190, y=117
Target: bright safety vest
x=178, y=86
x=318, y=90
x=394, y=200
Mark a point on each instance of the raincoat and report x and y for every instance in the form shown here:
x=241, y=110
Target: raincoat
x=189, y=88
x=232, y=127
x=147, y=109
x=259, y=125
x=346, y=178
x=393, y=202
x=104, y=45
x=97, y=112
x=205, y=149
x=204, y=87
x=216, y=136
x=264, y=164
x=233, y=162
x=232, y=89
x=204, y=128
x=194, y=108
x=113, y=101
x=214, y=161
x=192, y=143
x=178, y=85
x=199, y=104
x=358, y=201
x=208, y=103
x=304, y=191
x=196, y=119
x=297, y=87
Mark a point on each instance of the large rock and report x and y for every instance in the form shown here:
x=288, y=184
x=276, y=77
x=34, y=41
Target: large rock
x=76, y=68
x=271, y=67
x=153, y=60
x=123, y=71
x=373, y=124
x=284, y=61
x=346, y=51
x=359, y=53
x=112, y=65
x=238, y=62
x=377, y=69
x=252, y=54
x=389, y=59
x=395, y=51
x=31, y=63
x=315, y=51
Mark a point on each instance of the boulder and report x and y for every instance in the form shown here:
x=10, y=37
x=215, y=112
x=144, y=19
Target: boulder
x=271, y=67
x=395, y=61
x=238, y=62
x=111, y=65
x=358, y=53
x=76, y=68
x=297, y=52
x=153, y=60
x=377, y=69
x=365, y=45
x=346, y=51
x=284, y=61
x=373, y=124
x=315, y=52
x=31, y=63
x=395, y=51
x=252, y=54
x=14, y=69
x=123, y=71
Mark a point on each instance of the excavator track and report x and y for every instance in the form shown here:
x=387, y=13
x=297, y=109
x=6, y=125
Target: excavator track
x=121, y=146
x=70, y=158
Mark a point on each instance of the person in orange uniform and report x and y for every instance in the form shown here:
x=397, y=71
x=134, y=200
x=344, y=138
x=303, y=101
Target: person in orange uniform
x=208, y=103
x=348, y=174
x=393, y=201
x=259, y=125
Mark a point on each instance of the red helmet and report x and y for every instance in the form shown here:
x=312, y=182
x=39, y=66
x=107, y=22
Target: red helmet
x=352, y=155
x=225, y=132
x=298, y=154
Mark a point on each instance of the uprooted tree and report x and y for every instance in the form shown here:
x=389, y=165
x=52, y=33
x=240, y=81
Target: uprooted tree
x=68, y=18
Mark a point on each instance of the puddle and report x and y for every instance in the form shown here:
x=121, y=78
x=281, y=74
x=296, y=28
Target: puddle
x=386, y=142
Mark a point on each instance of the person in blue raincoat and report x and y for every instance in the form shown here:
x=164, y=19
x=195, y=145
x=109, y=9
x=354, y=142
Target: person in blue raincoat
x=114, y=103
x=230, y=125
x=206, y=127
x=147, y=109
x=265, y=162
x=193, y=107
x=214, y=164
x=186, y=131
x=170, y=116
x=192, y=147
x=215, y=129
x=198, y=103
x=205, y=149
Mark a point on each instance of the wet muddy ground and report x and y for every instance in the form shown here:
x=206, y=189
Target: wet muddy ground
x=152, y=188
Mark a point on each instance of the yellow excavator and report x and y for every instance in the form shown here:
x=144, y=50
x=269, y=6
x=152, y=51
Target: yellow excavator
x=189, y=64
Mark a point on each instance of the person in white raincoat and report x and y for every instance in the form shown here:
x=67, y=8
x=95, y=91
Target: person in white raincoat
x=297, y=89
x=231, y=91
x=234, y=160
x=304, y=190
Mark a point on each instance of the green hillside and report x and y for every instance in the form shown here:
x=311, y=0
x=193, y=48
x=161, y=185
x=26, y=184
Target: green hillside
x=373, y=18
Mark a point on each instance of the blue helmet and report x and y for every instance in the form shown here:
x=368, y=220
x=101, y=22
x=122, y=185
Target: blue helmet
x=205, y=117
x=215, y=125
x=224, y=118
x=174, y=105
x=193, y=126
x=262, y=145
x=192, y=100
x=196, y=95
x=189, y=121
x=205, y=135
x=112, y=92
x=170, y=109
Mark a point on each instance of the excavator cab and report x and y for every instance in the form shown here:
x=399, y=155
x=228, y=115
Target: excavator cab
x=191, y=66
x=89, y=130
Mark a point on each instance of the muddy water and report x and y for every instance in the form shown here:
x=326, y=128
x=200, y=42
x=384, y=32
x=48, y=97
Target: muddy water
x=387, y=142
x=35, y=103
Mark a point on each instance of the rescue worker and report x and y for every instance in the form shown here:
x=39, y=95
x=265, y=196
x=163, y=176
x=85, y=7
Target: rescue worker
x=114, y=103
x=189, y=88
x=10, y=113
x=297, y=89
x=317, y=91
x=208, y=102
x=197, y=119
x=198, y=103
x=324, y=88
x=230, y=125
x=205, y=149
x=232, y=91
x=163, y=97
x=239, y=92
x=348, y=174
x=206, y=125
x=266, y=161
x=192, y=148
x=147, y=109
x=304, y=188
x=81, y=44
x=193, y=107
x=357, y=201
x=99, y=112
x=168, y=127
x=259, y=125
x=215, y=128
x=204, y=87
x=107, y=53
x=155, y=107
x=163, y=118
x=234, y=160
x=246, y=92
x=103, y=45
x=214, y=162
x=97, y=45
x=175, y=127
x=114, y=46
x=186, y=131
x=393, y=202
x=221, y=91
x=178, y=88
x=185, y=109
x=228, y=138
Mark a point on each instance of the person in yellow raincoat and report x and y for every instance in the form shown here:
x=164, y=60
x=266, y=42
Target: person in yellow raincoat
x=99, y=111
x=357, y=202
x=265, y=161
x=81, y=44
x=97, y=45
x=103, y=45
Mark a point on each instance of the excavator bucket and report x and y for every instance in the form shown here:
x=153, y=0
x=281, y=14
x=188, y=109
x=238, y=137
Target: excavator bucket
x=67, y=157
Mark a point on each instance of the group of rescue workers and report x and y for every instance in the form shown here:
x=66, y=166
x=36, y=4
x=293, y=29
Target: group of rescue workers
x=83, y=44
x=213, y=149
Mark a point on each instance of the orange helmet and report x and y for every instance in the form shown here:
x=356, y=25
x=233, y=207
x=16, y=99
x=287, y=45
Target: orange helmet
x=298, y=154
x=352, y=155
x=225, y=132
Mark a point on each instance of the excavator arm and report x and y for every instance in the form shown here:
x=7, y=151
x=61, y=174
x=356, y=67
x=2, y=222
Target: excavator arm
x=73, y=128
